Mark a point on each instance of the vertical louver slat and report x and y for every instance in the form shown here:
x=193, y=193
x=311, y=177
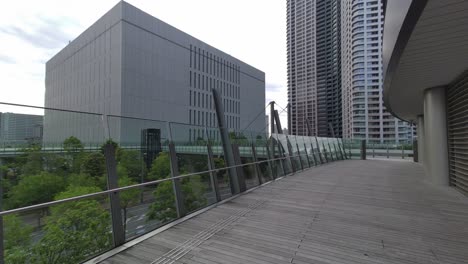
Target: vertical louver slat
x=457, y=118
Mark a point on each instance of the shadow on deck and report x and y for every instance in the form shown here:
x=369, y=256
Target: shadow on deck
x=344, y=212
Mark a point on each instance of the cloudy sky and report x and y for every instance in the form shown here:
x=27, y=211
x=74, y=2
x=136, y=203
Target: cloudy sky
x=31, y=32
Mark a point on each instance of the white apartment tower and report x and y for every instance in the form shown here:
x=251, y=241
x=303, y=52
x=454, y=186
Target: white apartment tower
x=364, y=115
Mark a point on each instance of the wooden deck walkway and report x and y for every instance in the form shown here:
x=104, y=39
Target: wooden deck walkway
x=344, y=212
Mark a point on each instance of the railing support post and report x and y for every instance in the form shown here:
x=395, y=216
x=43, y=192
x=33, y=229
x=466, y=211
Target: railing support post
x=270, y=161
x=313, y=155
x=118, y=232
x=214, y=178
x=257, y=166
x=331, y=152
x=363, y=149
x=176, y=185
x=239, y=170
x=300, y=159
x=388, y=152
x=227, y=147
x=318, y=150
x=290, y=151
x=307, y=155
x=325, y=152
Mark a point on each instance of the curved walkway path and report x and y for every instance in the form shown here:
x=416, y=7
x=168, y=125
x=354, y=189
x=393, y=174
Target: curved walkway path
x=344, y=212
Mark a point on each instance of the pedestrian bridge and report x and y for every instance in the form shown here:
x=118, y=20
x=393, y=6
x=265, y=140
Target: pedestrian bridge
x=352, y=211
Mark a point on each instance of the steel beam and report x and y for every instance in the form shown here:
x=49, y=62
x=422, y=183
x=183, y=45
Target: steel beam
x=227, y=147
x=213, y=176
x=118, y=232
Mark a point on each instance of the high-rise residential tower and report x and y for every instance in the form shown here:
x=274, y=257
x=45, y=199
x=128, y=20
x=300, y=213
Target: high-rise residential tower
x=364, y=115
x=314, y=68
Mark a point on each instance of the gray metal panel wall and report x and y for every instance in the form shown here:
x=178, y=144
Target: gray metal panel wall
x=132, y=64
x=457, y=122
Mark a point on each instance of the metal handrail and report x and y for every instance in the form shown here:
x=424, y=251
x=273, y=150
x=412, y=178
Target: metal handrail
x=116, y=190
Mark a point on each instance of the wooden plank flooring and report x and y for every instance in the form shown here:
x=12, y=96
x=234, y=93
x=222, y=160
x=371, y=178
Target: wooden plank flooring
x=344, y=212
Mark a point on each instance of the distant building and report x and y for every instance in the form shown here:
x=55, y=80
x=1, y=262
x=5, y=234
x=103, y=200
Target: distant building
x=131, y=64
x=20, y=128
x=364, y=115
x=314, y=67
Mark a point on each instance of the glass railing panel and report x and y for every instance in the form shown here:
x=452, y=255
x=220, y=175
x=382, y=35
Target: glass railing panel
x=222, y=175
x=260, y=142
x=44, y=151
x=142, y=147
x=302, y=149
x=281, y=150
x=70, y=232
x=192, y=157
x=276, y=161
x=147, y=208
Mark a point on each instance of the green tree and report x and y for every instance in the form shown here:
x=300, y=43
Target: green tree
x=133, y=163
x=35, y=189
x=161, y=167
x=74, y=150
x=127, y=197
x=31, y=161
x=72, y=144
x=110, y=141
x=94, y=164
x=163, y=208
x=17, y=239
x=74, y=230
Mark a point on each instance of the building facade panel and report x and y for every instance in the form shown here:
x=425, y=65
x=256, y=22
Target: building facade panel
x=364, y=115
x=139, y=66
x=313, y=55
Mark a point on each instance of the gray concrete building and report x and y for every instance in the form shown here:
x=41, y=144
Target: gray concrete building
x=129, y=63
x=314, y=70
x=426, y=82
x=20, y=129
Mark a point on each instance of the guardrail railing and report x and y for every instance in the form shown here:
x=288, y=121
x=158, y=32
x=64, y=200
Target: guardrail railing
x=76, y=184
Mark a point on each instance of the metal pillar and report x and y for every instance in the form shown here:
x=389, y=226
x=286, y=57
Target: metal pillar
x=118, y=232
x=240, y=171
x=272, y=117
x=227, y=147
x=176, y=185
x=421, y=138
x=278, y=123
x=435, y=128
x=415, y=151
x=214, y=178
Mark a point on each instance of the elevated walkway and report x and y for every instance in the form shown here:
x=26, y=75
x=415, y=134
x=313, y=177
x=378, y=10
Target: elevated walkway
x=343, y=212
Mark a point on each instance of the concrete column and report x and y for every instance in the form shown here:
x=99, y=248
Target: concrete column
x=435, y=132
x=421, y=139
